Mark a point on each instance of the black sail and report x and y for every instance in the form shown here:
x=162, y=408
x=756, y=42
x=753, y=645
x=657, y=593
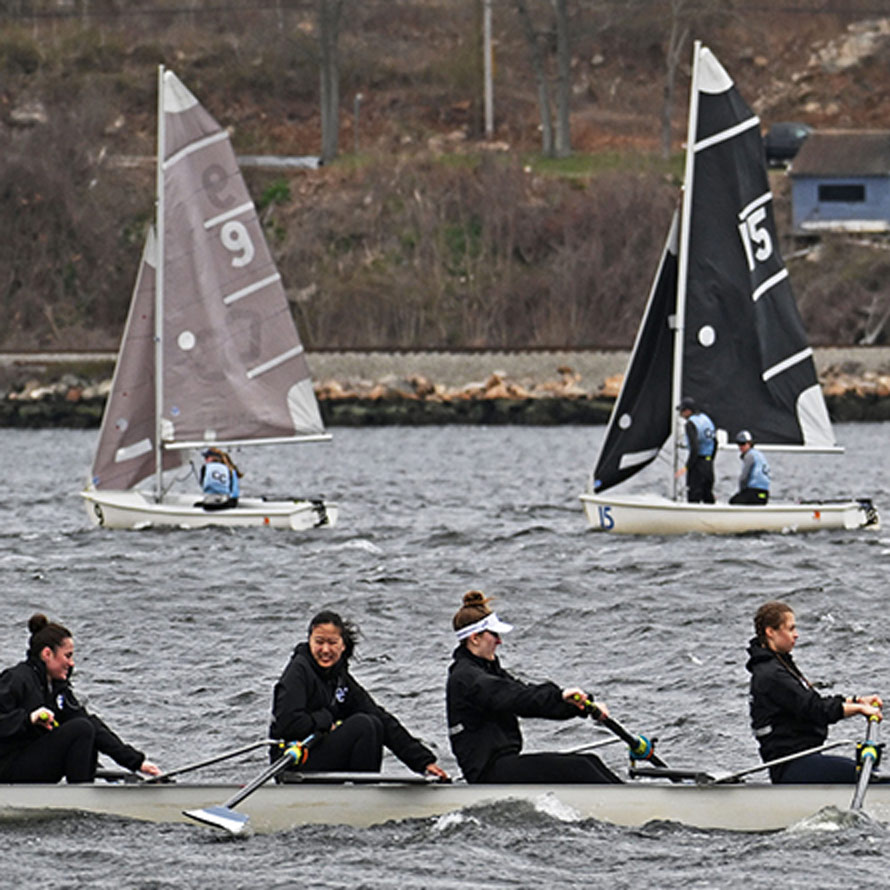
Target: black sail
x=746, y=359
x=641, y=419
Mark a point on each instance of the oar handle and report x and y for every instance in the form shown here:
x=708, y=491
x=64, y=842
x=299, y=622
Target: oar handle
x=640, y=747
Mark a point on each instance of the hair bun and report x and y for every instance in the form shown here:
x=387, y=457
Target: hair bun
x=37, y=622
x=475, y=598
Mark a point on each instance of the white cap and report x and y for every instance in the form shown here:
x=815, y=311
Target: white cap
x=489, y=622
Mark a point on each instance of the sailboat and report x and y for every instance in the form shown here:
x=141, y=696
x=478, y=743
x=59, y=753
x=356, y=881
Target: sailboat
x=721, y=327
x=210, y=355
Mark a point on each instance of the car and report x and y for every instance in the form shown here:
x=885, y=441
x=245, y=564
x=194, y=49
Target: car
x=783, y=141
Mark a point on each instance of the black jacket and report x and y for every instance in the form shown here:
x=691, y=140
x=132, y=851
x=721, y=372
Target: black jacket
x=308, y=699
x=787, y=715
x=483, y=702
x=26, y=687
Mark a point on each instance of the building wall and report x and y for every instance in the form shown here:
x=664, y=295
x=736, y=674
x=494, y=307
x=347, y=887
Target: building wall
x=811, y=211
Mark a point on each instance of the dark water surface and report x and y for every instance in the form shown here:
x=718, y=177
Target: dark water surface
x=180, y=636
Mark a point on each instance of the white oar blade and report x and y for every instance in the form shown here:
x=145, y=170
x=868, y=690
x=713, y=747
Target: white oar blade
x=220, y=817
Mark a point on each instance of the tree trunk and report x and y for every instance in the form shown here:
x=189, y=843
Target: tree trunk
x=676, y=44
x=329, y=14
x=537, y=61
x=563, y=80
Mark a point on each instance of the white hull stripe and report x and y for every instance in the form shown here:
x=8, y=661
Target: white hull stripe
x=634, y=458
x=727, y=134
x=274, y=362
x=787, y=363
x=769, y=284
x=201, y=144
x=229, y=214
x=251, y=288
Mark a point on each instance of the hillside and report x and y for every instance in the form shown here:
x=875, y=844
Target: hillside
x=437, y=238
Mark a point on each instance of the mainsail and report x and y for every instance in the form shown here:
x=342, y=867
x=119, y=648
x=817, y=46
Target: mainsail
x=233, y=368
x=746, y=359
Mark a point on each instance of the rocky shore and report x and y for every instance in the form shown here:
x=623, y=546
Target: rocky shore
x=387, y=388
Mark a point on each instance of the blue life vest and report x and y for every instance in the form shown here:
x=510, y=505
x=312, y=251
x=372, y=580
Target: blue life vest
x=758, y=475
x=219, y=479
x=704, y=426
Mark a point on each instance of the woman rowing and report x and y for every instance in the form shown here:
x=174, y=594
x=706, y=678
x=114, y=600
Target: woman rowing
x=45, y=733
x=317, y=694
x=484, y=702
x=787, y=714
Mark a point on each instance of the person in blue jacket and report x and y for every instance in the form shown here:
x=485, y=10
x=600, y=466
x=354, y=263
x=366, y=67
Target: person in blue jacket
x=483, y=703
x=219, y=479
x=788, y=715
x=318, y=695
x=754, y=478
x=702, y=441
x=46, y=735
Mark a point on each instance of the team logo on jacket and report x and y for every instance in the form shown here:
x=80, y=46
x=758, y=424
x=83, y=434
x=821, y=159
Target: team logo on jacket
x=60, y=700
x=340, y=693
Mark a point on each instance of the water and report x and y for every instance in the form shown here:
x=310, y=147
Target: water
x=180, y=636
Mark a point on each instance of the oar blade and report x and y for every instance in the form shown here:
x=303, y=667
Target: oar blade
x=220, y=817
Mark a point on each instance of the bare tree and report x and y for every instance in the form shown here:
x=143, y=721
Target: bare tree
x=676, y=45
x=555, y=141
x=329, y=17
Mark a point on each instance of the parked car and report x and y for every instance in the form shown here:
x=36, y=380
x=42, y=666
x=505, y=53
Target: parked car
x=783, y=141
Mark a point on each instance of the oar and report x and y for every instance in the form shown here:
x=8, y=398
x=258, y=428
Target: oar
x=163, y=777
x=868, y=755
x=640, y=747
x=223, y=816
x=718, y=778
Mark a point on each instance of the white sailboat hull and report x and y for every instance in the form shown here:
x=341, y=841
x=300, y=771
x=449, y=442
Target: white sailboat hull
x=138, y=510
x=654, y=515
x=753, y=807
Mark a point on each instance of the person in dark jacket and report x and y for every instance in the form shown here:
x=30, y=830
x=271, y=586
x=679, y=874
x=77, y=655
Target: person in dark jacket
x=45, y=733
x=317, y=694
x=483, y=703
x=787, y=714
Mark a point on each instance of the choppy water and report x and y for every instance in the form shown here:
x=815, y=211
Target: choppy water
x=180, y=636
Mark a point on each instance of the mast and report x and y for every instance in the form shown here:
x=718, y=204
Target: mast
x=683, y=263
x=159, y=293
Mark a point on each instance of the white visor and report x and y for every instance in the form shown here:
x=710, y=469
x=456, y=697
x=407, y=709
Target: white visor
x=489, y=622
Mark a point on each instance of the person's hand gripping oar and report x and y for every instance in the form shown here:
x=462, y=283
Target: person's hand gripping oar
x=641, y=748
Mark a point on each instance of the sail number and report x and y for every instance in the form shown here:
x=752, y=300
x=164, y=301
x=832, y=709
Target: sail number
x=755, y=237
x=605, y=517
x=236, y=239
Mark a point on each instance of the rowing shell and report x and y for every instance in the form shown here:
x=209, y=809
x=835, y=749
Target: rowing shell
x=754, y=807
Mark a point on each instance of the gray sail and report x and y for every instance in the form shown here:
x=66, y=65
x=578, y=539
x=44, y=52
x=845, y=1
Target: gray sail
x=125, y=454
x=746, y=359
x=233, y=364
x=641, y=418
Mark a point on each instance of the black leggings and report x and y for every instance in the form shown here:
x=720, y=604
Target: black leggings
x=548, y=768
x=356, y=746
x=68, y=752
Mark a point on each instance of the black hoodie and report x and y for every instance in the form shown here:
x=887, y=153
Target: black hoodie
x=787, y=714
x=309, y=698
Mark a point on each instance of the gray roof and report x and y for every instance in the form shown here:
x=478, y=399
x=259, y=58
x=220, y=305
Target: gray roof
x=844, y=153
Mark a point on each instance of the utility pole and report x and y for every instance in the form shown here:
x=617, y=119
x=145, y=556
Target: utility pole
x=487, y=65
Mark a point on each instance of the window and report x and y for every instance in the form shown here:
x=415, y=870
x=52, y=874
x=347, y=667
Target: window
x=847, y=193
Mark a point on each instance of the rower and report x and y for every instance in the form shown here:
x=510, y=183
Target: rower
x=483, y=702
x=45, y=733
x=787, y=714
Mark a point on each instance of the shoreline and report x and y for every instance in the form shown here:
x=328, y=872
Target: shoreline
x=382, y=388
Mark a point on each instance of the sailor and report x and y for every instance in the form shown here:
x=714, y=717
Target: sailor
x=219, y=480
x=787, y=714
x=483, y=702
x=754, y=477
x=702, y=442
x=45, y=733
x=317, y=694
